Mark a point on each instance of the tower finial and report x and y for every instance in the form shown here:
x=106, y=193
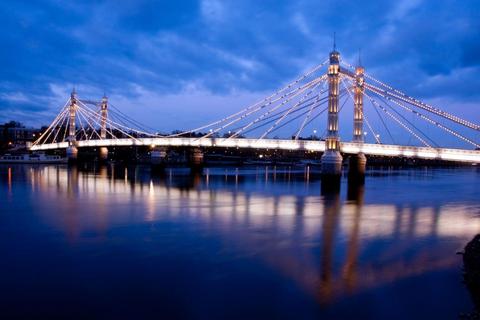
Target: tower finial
x=359, y=57
x=334, y=41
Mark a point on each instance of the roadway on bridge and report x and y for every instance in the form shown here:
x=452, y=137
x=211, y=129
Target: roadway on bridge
x=460, y=155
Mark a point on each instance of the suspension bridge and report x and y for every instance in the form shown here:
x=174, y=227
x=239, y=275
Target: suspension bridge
x=323, y=90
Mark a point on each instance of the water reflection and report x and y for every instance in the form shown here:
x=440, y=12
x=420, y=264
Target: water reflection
x=331, y=245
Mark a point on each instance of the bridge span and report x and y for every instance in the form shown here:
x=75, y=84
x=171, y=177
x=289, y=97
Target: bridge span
x=445, y=154
x=293, y=109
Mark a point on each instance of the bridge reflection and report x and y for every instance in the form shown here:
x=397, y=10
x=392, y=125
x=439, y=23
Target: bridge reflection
x=331, y=245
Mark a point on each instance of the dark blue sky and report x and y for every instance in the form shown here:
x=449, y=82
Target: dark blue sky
x=178, y=64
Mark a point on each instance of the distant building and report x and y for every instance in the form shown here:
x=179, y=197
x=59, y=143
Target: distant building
x=15, y=134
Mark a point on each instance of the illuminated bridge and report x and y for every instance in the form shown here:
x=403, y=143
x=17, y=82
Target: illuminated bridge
x=323, y=90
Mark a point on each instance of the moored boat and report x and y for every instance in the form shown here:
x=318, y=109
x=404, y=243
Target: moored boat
x=32, y=158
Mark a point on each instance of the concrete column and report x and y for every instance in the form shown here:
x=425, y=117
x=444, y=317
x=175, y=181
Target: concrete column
x=332, y=159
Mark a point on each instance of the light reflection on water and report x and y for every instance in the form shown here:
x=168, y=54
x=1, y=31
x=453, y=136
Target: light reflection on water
x=338, y=251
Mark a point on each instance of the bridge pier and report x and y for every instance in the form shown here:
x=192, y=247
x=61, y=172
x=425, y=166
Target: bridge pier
x=196, y=159
x=103, y=154
x=331, y=163
x=356, y=168
x=158, y=157
x=72, y=154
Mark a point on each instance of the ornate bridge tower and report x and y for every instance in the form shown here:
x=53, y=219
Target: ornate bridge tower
x=103, y=127
x=358, y=105
x=357, y=163
x=72, y=150
x=332, y=159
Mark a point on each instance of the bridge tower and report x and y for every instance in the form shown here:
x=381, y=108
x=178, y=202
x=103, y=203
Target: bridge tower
x=72, y=150
x=358, y=162
x=332, y=159
x=103, y=127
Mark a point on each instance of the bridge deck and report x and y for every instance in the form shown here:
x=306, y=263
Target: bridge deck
x=460, y=155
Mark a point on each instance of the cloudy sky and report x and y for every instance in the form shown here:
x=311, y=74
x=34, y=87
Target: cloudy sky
x=179, y=64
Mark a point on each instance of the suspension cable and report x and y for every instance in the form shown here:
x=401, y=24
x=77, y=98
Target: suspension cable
x=277, y=115
x=45, y=136
x=297, y=91
x=118, y=124
x=379, y=116
x=375, y=135
x=263, y=101
x=62, y=112
x=314, y=105
x=90, y=112
x=290, y=110
x=426, y=118
x=59, y=128
x=297, y=134
x=398, y=121
x=424, y=106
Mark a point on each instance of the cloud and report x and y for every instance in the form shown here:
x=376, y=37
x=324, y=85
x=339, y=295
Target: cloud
x=212, y=10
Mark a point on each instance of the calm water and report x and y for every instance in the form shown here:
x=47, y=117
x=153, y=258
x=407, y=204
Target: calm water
x=233, y=244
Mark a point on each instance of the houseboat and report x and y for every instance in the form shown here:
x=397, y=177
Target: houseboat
x=32, y=158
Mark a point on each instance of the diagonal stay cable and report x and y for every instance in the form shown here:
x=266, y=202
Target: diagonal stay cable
x=290, y=110
x=342, y=94
x=407, y=121
x=273, y=117
x=381, y=119
x=57, y=118
x=414, y=102
x=426, y=118
x=112, y=124
x=298, y=116
x=263, y=101
x=375, y=135
x=295, y=93
x=304, y=122
x=398, y=121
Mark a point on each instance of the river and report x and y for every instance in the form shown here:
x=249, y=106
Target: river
x=234, y=243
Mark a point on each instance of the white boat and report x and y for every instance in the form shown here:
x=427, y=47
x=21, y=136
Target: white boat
x=32, y=158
